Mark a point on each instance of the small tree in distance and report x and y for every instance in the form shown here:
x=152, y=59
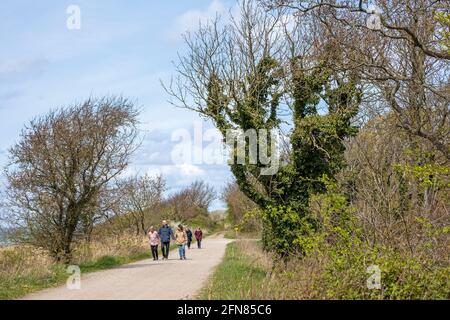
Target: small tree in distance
x=139, y=194
x=191, y=201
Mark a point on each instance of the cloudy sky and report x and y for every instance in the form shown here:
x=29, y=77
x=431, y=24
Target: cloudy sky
x=122, y=47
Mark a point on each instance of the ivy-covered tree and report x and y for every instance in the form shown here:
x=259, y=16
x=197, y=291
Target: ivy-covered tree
x=241, y=76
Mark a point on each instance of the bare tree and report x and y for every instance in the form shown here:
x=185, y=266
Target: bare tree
x=392, y=197
x=139, y=195
x=200, y=194
x=403, y=55
x=394, y=17
x=191, y=201
x=60, y=167
x=238, y=206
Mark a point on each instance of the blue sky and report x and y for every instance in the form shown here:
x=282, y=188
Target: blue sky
x=123, y=48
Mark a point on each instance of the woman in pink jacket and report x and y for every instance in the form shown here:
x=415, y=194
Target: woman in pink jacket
x=153, y=237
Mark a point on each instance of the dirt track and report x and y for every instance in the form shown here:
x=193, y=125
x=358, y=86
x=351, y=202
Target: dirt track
x=147, y=279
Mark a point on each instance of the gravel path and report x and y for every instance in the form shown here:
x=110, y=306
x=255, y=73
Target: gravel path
x=147, y=279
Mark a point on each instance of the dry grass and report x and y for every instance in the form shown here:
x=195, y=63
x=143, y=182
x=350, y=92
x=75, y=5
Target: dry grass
x=17, y=261
x=253, y=251
x=23, y=260
x=24, y=269
x=239, y=276
x=124, y=245
x=294, y=280
x=248, y=272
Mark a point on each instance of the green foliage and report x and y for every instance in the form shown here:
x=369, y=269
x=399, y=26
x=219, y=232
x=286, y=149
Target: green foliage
x=250, y=221
x=283, y=229
x=428, y=175
x=340, y=241
x=402, y=276
x=316, y=140
x=444, y=23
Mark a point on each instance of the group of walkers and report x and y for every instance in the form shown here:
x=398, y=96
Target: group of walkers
x=182, y=237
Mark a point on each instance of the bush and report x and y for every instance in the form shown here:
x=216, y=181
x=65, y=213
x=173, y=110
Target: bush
x=338, y=248
x=336, y=260
x=205, y=222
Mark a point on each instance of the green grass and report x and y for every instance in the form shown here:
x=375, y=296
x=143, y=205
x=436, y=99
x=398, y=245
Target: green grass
x=234, y=278
x=12, y=288
x=108, y=262
x=230, y=234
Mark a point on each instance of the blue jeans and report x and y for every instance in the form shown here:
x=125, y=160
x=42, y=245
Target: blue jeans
x=182, y=250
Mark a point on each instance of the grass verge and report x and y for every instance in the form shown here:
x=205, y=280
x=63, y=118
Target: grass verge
x=236, y=276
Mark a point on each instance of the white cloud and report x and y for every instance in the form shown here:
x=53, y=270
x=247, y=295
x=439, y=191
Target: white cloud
x=178, y=170
x=189, y=170
x=191, y=19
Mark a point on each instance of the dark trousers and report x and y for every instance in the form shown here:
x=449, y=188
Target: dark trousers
x=189, y=243
x=165, y=249
x=199, y=243
x=155, y=252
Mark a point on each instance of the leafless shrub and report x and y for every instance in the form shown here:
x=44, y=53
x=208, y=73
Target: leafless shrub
x=238, y=206
x=191, y=201
x=139, y=196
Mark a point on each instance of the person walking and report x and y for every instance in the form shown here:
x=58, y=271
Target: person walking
x=181, y=240
x=154, y=240
x=199, y=237
x=189, y=237
x=165, y=234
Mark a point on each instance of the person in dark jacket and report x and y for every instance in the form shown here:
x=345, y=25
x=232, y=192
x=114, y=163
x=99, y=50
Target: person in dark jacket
x=189, y=237
x=199, y=236
x=165, y=234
